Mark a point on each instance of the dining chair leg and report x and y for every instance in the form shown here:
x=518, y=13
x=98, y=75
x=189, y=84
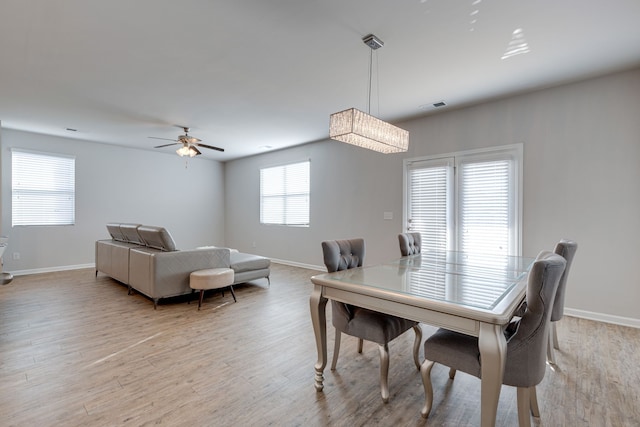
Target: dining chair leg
x=336, y=350
x=425, y=372
x=360, y=344
x=555, y=335
x=524, y=408
x=384, y=372
x=533, y=402
x=452, y=373
x=551, y=357
x=416, y=345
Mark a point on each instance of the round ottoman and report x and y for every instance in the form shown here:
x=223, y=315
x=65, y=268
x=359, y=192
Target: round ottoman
x=211, y=278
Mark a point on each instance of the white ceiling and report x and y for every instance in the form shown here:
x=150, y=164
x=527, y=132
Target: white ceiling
x=245, y=74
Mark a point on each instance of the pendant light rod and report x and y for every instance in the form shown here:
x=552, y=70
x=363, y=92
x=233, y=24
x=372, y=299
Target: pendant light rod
x=374, y=43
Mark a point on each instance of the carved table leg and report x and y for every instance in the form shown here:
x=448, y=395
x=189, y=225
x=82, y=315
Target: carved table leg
x=318, y=304
x=493, y=352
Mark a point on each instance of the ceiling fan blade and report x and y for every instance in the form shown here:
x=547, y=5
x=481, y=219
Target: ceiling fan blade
x=166, y=145
x=164, y=139
x=197, y=151
x=209, y=146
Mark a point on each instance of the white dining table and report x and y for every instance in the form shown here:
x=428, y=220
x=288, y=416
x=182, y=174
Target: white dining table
x=472, y=293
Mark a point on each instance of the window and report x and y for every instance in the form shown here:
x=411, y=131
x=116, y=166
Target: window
x=284, y=195
x=467, y=201
x=42, y=188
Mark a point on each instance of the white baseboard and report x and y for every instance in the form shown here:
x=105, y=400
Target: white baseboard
x=299, y=264
x=603, y=317
x=52, y=269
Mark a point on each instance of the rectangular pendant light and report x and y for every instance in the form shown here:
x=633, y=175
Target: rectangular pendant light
x=358, y=128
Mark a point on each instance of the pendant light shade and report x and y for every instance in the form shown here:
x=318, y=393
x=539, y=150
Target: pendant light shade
x=359, y=128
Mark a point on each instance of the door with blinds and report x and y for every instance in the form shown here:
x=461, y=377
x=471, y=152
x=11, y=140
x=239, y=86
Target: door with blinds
x=467, y=201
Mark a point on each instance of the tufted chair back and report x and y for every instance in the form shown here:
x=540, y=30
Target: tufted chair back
x=343, y=254
x=526, y=350
x=410, y=243
x=566, y=249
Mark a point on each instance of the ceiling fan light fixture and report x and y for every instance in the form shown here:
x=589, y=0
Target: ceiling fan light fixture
x=187, y=150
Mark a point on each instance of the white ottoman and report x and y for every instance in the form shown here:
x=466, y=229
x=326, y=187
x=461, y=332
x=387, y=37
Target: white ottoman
x=212, y=278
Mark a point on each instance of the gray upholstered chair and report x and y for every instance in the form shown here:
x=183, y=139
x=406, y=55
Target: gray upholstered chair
x=362, y=323
x=410, y=243
x=566, y=249
x=526, y=342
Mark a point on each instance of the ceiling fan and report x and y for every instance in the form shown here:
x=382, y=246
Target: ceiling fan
x=189, y=144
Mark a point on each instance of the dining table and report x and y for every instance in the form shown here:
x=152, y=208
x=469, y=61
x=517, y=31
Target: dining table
x=468, y=292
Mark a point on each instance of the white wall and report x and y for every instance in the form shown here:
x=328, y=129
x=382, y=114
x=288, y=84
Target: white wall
x=581, y=181
x=351, y=189
x=115, y=184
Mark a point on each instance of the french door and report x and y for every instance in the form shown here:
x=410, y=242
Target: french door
x=469, y=201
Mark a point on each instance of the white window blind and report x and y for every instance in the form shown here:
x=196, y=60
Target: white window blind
x=430, y=202
x=467, y=202
x=42, y=188
x=486, y=206
x=284, y=194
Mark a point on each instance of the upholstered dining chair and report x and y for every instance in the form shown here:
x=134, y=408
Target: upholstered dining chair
x=566, y=249
x=363, y=323
x=410, y=243
x=526, y=342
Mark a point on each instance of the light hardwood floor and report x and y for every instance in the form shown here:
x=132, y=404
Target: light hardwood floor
x=78, y=351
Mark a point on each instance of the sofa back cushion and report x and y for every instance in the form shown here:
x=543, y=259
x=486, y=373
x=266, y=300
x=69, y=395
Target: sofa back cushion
x=115, y=233
x=157, y=237
x=130, y=233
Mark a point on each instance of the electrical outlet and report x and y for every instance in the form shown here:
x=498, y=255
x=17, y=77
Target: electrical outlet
x=16, y=255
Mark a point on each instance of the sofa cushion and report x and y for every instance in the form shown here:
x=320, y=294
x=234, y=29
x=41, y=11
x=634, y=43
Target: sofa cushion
x=115, y=232
x=130, y=233
x=157, y=238
x=241, y=262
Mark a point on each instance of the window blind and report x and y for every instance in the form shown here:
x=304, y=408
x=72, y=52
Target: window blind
x=429, y=203
x=486, y=205
x=42, y=189
x=284, y=194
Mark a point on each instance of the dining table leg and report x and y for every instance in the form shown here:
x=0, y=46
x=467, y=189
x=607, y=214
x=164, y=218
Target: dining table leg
x=493, y=353
x=318, y=304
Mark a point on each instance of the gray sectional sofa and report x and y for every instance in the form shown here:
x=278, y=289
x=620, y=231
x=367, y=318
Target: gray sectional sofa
x=146, y=259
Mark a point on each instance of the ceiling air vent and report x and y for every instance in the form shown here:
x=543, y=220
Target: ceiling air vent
x=439, y=104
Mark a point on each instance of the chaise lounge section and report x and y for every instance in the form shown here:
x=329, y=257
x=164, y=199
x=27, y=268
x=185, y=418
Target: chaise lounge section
x=146, y=259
